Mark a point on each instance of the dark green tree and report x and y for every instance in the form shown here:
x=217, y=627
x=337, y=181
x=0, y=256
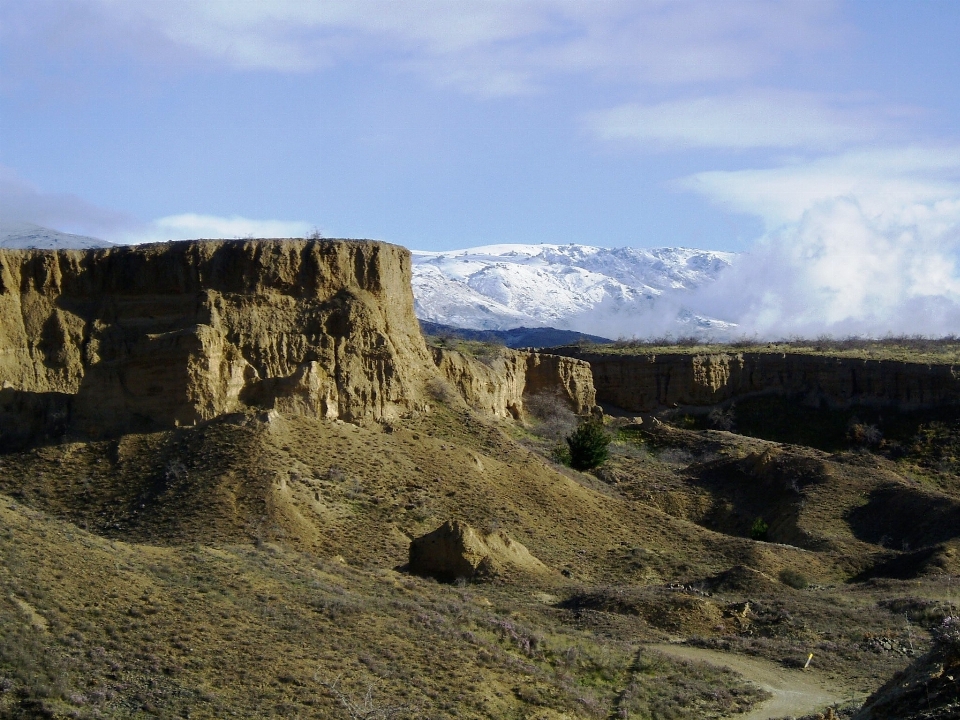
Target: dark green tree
x=758, y=530
x=588, y=445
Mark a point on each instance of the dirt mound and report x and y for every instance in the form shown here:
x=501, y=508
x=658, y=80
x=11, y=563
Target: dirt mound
x=902, y=517
x=939, y=560
x=743, y=579
x=674, y=610
x=455, y=550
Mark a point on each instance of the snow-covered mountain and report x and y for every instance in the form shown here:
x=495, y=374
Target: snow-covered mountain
x=614, y=292
x=20, y=235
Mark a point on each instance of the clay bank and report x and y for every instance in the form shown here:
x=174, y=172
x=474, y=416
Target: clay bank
x=648, y=382
x=121, y=339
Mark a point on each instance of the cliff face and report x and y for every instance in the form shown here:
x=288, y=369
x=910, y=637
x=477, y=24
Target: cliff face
x=121, y=339
x=500, y=388
x=161, y=335
x=649, y=382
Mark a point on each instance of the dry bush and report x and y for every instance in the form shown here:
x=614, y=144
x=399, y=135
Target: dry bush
x=440, y=390
x=554, y=419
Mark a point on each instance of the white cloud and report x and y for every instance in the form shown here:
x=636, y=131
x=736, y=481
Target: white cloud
x=912, y=184
x=864, y=242
x=839, y=272
x=23, y=202
x=757, y=119
x=492, y=47
x=191, y=226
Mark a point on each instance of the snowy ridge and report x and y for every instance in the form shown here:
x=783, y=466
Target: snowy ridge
x=613, y=292
x=24, y=236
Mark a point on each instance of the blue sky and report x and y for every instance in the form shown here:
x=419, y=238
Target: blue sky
x=769, y=127
x=440, y=124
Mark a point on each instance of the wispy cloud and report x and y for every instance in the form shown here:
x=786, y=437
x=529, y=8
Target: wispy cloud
x=746, y=120
x=21, y=201
x=490, y=47
x=191, y=226
x=915, y=184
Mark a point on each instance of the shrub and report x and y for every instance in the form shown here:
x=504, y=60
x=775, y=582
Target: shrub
x=721, y=419
x=863, y=435
x=758, y=531
x=561, y=454
x=948, y=634
x=554, y=418
x=588, y=445
x=794, y=579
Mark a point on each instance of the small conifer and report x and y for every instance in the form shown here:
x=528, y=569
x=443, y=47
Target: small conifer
x=588, y=445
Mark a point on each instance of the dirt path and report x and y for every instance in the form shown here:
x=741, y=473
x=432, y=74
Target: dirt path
x=795, y=692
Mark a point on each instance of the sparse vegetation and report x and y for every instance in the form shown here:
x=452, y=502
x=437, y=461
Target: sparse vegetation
x=915, y=348
x=759, y=529
x=588, y=445
x=551, y=416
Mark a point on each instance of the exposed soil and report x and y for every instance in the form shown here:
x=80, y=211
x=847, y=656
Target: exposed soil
x=793, y=692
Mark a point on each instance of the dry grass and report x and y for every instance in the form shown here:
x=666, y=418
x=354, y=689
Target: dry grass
x=254, y=567
x=945, y=350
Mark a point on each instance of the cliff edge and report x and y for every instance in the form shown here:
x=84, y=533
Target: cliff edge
x=114, y=339
x=648, y=382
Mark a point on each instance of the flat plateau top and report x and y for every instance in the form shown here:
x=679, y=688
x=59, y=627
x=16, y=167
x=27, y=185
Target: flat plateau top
x=929, y=351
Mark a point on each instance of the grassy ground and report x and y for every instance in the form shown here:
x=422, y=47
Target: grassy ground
x=905, y=349
x=253, y=567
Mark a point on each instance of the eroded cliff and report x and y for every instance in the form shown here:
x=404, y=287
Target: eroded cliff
x=173, y=334
x=500, y=386
x=647, y=382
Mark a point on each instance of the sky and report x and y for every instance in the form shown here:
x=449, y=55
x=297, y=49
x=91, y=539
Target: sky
x=819, y=138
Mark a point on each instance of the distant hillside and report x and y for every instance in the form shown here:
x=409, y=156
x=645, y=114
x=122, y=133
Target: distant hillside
x=618, y=292
x=20, y=236
x=515, y=337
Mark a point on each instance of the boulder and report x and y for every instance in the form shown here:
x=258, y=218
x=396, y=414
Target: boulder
x=455, y=550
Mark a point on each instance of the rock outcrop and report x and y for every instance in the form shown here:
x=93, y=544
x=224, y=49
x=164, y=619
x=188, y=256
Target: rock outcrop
x=500, y=386
x=107, y=340
x=647, y=382
x=104, y=341
x=455, y=550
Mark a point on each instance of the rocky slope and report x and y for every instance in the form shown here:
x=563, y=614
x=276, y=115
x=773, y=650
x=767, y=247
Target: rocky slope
x=644, y=382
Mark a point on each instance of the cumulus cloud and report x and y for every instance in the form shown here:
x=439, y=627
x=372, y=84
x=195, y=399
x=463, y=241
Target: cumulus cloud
x=755, y=119
x=492, y=47
x=860, y=243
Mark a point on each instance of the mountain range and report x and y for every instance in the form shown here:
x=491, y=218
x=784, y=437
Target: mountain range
x=606, y=291
x=25, y=236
